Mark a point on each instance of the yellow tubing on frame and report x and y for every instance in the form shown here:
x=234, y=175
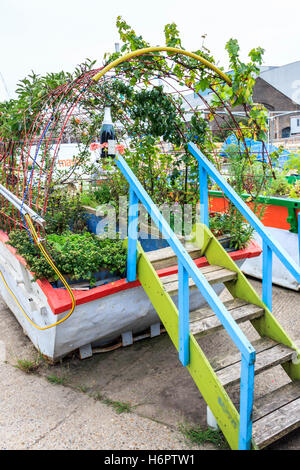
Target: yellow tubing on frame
x=174, y=50
x=48, y=259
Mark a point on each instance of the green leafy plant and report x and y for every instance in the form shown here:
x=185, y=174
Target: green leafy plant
x=232, y=224
x=198, y=436
x=100, y=195
x=118, y=406
x=76, y=255
x=293, y=163
x=64, y=212
x=295, y=191
x=27, y=366
x=279, y=186
x=98, y=396
x=55, y=380
x=82, y=388
x=246, y=177
x=88, y=199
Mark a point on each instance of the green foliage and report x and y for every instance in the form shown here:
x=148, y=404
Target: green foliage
x=225, y=128
x=76, y=255
x=17, y=115
x=295, y=191
x=118, y=406
x=172, y=36
x=243, y=77
x=131, y=41
x=27, y=366
x=196, y=435
x=102, y=194
x=55, y=380
x=64, y=212
x=241, y=92
x=245, y=177
x=293, y=163
x=279, y=186
x=156, y=115
x=88, y=199
x=231, y=223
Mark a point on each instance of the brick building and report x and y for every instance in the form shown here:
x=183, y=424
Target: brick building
x=278, y=89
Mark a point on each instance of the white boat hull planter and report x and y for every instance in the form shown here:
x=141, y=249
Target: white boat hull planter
x=280, y=275
x=103, y=315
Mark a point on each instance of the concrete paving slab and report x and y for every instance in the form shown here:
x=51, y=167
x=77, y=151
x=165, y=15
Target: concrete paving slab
x=37, y=415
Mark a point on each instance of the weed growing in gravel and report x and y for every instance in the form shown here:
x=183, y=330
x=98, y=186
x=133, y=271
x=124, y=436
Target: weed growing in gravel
x=98, y=397
x=118, y=406
x=27, y=366
x=196, y=435
x=53, y=379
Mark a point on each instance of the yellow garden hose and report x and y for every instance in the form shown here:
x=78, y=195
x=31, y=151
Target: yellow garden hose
x=173, y=50
x=48, y=259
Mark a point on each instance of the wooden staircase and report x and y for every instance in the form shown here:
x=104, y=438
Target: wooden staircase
x=275, y=414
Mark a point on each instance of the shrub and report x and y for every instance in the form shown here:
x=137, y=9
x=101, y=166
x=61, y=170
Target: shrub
x=76, y=255
x=280, y=186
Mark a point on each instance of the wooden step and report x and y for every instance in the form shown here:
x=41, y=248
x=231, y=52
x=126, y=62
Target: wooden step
x=265, y=359
x=259, y=345
x=213, y=274
x=204, y=321
x=276, y=414
x=165, y=257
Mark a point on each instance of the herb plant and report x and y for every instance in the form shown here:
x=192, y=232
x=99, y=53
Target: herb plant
x=76, y=255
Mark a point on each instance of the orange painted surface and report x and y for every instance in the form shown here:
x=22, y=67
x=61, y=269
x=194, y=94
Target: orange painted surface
x=274, y=216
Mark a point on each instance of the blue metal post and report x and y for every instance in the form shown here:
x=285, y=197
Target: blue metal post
x=184, y=314
x=267, y=275
x=203, y=188
x=132, y=235
x=246, y=402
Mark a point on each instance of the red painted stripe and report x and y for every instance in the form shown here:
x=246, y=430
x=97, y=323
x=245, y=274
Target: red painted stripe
x=59, y=299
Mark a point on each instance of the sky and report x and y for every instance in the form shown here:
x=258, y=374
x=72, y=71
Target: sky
x=59, y=34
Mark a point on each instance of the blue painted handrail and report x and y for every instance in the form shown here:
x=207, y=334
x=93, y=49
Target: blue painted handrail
x=187, y=268
x=270, y=246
